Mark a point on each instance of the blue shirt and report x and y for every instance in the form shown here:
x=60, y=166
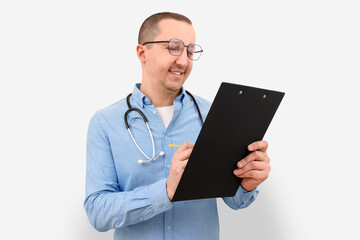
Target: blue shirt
x=130, y=197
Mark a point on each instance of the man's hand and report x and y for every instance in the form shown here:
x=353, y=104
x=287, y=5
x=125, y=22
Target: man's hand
x=178, y=164
x=255, y=167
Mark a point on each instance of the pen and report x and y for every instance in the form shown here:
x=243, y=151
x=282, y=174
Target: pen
x=174, y=146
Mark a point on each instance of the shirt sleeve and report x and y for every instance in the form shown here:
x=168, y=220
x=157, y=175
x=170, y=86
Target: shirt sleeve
x=106, y=206
x=242, y=198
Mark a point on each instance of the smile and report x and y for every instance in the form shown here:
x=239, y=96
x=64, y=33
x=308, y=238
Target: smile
x=177, y=73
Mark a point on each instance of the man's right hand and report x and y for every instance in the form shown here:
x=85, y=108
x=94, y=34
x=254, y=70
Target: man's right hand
x=178, y=164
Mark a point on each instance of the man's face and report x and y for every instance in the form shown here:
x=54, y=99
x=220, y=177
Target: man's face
x=162, y=69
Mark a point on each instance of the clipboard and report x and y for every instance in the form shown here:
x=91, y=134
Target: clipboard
x=239, y=116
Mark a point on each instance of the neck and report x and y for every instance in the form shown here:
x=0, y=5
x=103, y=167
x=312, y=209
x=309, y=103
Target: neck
x=158, y=96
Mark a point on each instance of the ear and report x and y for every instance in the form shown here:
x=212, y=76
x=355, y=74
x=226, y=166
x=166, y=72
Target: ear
x=140, y=51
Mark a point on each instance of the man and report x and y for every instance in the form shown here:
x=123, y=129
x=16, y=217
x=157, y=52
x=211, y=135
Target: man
x=134, y=196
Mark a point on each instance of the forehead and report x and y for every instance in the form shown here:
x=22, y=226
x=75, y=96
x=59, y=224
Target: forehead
x=170, y=28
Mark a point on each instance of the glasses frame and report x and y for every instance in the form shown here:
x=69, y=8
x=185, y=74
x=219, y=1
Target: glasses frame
x=187, y=46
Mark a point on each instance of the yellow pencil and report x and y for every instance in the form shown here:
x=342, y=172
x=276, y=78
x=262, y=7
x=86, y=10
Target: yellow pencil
x=174, y=146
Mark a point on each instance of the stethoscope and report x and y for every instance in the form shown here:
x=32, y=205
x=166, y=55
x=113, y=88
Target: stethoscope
x=148, y=127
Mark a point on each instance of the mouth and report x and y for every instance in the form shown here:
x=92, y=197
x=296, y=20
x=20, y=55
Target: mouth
x=176, y=72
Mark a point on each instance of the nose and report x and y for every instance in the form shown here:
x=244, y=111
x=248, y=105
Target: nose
x=183, y=59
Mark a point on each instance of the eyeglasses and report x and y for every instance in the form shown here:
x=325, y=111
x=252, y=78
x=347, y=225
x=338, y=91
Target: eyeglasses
x=176, y=48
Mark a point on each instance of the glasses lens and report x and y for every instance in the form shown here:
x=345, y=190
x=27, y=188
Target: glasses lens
x=176, y=47
x=194, y=51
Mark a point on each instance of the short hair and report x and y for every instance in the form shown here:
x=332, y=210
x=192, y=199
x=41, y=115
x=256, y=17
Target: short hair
x=149, y=29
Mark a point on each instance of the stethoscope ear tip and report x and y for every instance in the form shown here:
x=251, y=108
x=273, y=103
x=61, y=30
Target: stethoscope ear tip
x=140, y=161
x=162, y=153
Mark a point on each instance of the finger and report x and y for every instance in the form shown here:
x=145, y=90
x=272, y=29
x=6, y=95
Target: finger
x=254, y=165
x=179, y=167
x=254, y=156
x=185, y=146
x=184, y=151
x=184, y=163
x=183, y=155
x=259, y=145
x=255, y=174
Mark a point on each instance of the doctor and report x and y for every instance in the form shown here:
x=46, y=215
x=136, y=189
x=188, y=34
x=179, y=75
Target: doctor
x=132, y=173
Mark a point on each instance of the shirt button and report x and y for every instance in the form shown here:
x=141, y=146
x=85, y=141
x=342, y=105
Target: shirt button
x=154, y=112
x=166, y=137
x=164, y=206
x=168, y=166
x=141, y=219
x=168, y=227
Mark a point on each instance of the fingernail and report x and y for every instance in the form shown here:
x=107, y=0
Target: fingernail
x=251, y=147
x=240, y=164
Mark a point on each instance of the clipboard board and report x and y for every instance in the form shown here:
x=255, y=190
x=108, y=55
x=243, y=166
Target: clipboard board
x=239, y=116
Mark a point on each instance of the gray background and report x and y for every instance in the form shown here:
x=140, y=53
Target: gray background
x=60, y=61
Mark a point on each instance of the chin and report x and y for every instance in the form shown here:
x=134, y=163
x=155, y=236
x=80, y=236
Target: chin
x=174, y=86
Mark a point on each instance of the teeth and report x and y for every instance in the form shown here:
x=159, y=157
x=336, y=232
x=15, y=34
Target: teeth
x=177, y=73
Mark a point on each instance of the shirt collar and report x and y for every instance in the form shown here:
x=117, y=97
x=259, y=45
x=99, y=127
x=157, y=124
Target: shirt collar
x=139, y=97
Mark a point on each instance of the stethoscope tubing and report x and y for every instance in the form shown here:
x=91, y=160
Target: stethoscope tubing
x=148, y=126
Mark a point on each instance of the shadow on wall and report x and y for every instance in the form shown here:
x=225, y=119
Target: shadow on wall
x=263, y=219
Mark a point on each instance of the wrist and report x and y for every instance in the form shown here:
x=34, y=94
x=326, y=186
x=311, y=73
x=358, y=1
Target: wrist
x=246, y=188
x=169, y=192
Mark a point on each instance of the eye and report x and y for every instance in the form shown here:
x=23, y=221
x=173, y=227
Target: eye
x=191, y=48
x=175, y=48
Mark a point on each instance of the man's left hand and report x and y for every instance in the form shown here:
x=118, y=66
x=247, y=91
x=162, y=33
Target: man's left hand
x=255, y=167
